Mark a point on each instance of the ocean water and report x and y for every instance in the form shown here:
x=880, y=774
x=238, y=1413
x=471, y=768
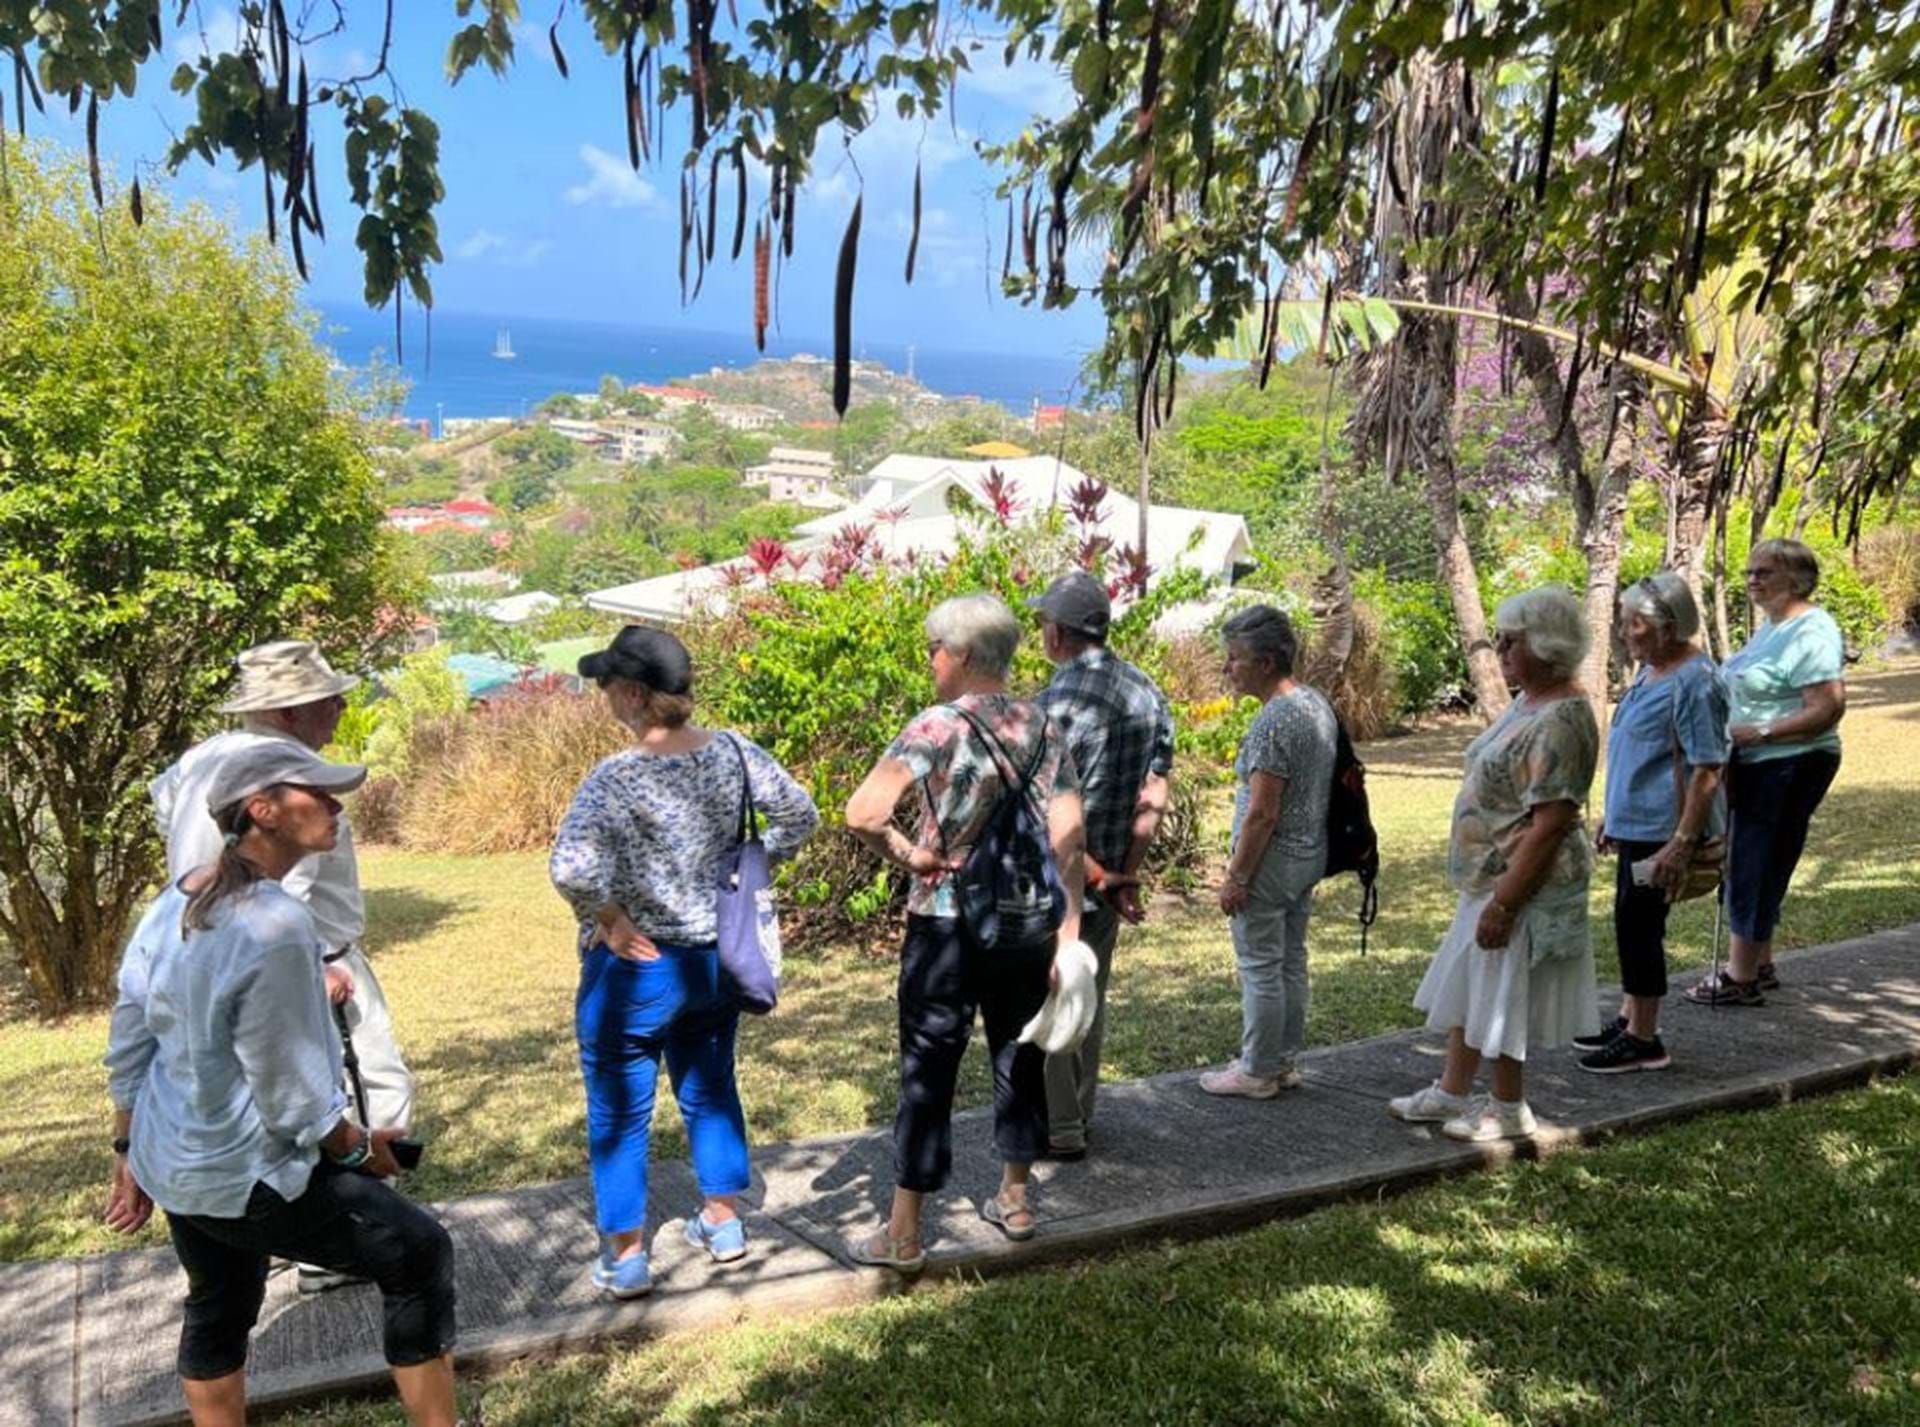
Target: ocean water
x=462, y=377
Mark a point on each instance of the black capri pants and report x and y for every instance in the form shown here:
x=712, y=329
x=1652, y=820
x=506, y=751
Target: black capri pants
x=346, y=1221
x=1771, y=804
x=945, y=978
x=1640, y=924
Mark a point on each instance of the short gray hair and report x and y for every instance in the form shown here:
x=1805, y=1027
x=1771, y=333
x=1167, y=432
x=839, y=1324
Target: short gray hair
x=1266, y=633
x=1552, y=624
x=1796, y=560
x=1666, y=599
x=979, y=626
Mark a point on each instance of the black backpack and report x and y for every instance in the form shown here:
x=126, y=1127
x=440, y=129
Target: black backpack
x=1352, y=845
x=1009, y=890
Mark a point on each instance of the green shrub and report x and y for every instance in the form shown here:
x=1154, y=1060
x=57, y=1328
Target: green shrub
x=1420, y=638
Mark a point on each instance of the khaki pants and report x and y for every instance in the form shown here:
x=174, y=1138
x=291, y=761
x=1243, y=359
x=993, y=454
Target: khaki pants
x=1073, y=1078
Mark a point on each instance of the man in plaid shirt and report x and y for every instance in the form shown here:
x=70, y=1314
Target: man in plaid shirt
x=1120, y=730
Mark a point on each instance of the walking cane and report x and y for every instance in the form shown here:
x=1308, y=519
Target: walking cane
x=406, y=1152
x=351, y=1060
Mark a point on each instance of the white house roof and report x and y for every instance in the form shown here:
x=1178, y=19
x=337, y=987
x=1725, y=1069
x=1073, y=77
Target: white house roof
x=905, y=505
x=518, y=609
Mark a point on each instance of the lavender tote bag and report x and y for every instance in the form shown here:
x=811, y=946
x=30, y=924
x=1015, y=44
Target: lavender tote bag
x=749, y=926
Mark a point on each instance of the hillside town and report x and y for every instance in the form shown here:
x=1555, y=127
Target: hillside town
x=662, y=502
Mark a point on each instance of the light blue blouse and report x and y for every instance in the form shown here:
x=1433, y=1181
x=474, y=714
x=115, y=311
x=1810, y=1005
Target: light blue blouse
x=223, y=1048
x=1686, y=708
x=1766, y=678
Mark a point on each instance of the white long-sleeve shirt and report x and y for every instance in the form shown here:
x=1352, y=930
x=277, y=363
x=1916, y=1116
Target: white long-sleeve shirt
x=328, y=882
x=222, y=1047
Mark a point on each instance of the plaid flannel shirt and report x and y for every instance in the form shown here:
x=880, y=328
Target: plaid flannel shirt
x=1120, y=729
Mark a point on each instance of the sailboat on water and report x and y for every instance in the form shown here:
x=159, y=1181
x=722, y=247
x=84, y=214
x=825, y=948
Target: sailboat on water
x=503, y=346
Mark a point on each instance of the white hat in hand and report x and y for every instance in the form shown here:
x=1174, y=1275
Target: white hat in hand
x=1068, y=1014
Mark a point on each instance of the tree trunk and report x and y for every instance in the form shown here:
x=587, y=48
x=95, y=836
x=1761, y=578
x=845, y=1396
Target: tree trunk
x=1692, y=492
x=1457, y=573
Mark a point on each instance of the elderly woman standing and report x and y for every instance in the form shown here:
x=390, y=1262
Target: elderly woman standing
x=1515, y=971
x=1665, y=751
x=1788, y=698
x=965, y=752
x=640, y=856
x=1284, y=772
x=225, y=1073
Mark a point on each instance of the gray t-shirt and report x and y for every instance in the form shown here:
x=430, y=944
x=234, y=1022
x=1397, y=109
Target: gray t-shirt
x=1294, y=737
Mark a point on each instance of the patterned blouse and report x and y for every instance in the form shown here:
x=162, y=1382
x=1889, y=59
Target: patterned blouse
x=960, y=778
x=1535, y=753
x=649, y=831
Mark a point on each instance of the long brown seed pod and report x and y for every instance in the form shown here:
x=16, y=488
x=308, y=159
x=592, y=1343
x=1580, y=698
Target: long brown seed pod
x=786, y=224
x=843, y=312
x=1029, y=234
x=93, y=153
x=559, y=55
x=1547, y=122
x=739, y=197
x=713, y=200
x=630, y=78
x=913, y=243
x=313, y=197
x=686, y=236
x=1006, y=263
x=133, y=202
x=762, y=260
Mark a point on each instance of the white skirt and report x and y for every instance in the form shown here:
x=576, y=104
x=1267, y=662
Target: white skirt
x=1504, y=1004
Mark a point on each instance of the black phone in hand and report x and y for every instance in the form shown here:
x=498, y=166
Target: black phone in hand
x=406, y=1153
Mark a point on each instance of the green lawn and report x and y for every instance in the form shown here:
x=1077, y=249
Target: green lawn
x=477, y=957
x=1752, y=1269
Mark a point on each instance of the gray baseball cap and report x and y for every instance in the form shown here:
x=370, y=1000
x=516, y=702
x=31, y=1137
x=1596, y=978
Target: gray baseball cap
x=1076, y=601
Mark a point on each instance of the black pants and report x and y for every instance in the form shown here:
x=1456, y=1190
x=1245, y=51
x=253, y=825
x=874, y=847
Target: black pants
x=347, y=1222
x=1640, y=925
x=1770, y=804
x=945, y=977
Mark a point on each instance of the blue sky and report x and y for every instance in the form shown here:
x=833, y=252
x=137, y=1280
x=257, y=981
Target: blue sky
x=543, y=217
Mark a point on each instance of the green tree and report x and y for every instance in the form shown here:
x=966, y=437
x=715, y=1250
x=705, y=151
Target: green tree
x=179, y=479
x=537, y=448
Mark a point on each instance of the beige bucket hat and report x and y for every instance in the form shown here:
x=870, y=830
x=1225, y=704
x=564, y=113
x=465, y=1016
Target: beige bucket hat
x=284, y=675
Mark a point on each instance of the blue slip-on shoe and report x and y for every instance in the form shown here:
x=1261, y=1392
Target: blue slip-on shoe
x=623, y=1278
x=724, y=1242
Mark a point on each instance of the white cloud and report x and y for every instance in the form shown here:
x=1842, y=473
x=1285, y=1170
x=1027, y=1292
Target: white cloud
x=218, y=33
x=1030, y=86
x=610, y=181
x=503, y=251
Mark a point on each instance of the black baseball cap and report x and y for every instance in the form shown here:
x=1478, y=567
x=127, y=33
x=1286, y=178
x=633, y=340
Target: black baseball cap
x=1076, y=601
x=647, y=656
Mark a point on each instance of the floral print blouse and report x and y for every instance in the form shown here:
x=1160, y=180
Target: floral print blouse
x=960, y=776
x=1535, y=753
x=649, y=832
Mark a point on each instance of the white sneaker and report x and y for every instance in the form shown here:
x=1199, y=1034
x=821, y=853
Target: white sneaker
x=1235, y=1081
x=1491, y=1119
x=1428, y=1105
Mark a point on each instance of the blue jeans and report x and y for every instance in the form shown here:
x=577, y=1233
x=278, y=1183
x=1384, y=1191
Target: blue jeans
x=626, y=1015
x=1270, y=945
x=1770, y=805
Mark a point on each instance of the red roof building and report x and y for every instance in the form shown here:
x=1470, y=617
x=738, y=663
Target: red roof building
x=681, y=394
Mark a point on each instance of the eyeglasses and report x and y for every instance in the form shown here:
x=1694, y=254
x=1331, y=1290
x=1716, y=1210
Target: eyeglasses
x=1760, y=572
x=934, y=646
x=1504, y=640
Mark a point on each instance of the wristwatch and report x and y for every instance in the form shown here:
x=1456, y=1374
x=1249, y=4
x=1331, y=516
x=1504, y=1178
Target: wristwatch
x=122, y=1144
x=358, y=1155
x=1766, y=731
x=1237, y=879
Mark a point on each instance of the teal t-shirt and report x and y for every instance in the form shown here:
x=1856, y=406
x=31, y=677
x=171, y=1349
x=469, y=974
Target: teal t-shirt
x=1764, y=679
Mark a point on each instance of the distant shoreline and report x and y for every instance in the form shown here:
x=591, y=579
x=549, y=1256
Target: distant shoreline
x=465, y=379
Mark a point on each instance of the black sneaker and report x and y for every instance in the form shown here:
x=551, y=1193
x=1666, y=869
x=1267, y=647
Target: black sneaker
x=1605, y=1036
x=1624, y=1053
x=1768, y=978
x=1723, y=990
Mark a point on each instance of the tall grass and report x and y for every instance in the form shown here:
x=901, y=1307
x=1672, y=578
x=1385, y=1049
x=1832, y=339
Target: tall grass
x=499, y=779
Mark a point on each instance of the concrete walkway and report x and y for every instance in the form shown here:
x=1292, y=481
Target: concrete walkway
x=92, y=1340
